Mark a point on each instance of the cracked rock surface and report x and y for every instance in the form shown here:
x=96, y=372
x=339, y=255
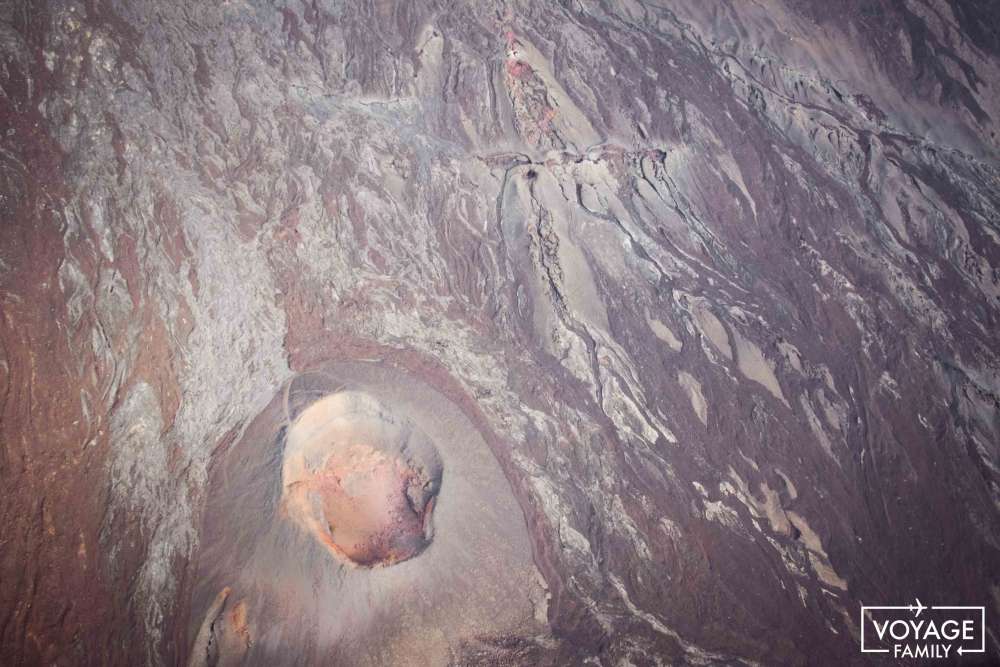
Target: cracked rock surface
x=713, y=288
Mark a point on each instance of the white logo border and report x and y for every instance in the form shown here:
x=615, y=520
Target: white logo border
x=960, y=651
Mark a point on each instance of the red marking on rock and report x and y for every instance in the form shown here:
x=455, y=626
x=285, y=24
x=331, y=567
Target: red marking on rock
x=519, y=69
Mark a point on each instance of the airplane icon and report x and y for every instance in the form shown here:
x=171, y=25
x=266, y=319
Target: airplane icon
x=917, y=608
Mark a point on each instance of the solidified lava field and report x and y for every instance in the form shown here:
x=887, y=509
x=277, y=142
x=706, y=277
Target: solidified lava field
x=497, y=332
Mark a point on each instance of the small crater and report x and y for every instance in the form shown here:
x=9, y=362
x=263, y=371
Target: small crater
x=362, y=481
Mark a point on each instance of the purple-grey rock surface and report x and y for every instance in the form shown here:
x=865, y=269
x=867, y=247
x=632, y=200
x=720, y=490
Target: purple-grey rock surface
x=669, y=330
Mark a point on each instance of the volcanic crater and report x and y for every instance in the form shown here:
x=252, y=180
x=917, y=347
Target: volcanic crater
x=332, y=529
x=362, y=481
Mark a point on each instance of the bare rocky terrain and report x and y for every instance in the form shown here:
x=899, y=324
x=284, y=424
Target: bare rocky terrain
x=697, y=301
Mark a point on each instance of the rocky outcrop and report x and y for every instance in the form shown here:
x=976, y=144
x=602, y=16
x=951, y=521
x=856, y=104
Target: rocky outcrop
x=716, y=283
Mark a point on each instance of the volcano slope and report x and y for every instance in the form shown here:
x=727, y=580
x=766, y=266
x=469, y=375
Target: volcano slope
x=706, y=292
